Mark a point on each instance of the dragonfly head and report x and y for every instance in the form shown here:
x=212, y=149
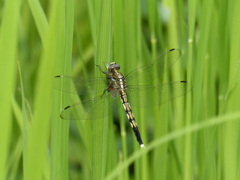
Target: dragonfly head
x=113, y=66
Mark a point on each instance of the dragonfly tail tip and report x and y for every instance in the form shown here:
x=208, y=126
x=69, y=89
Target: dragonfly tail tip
x=142, y=146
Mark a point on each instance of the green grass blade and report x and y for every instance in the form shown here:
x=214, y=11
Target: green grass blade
x=231, y=131
x=187, y=150
x=36, y=159
x=8, y=49
x=60, y=127
x=103, y=17
x=39, y=17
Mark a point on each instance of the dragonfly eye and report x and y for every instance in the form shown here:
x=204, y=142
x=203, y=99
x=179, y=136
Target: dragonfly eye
x=117, y=66
x=114, y=65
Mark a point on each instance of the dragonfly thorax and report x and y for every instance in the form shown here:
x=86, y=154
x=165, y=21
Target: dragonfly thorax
x=116, y=81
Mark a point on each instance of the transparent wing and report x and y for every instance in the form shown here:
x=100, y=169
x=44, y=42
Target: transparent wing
x=155, y=95
x=90, y=109
x=81, y=86
x=160, y=65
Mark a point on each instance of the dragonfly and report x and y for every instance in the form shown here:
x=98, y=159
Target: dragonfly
x=99, y=94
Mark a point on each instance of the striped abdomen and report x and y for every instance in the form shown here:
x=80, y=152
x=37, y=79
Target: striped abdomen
x=130, y=116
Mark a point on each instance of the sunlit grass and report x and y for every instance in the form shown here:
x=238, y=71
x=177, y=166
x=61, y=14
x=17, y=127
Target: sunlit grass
x=193, y=137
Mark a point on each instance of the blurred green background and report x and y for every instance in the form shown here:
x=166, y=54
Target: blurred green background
x=193, y=137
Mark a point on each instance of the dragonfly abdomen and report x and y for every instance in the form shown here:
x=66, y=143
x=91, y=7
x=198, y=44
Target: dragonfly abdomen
x=131, y=117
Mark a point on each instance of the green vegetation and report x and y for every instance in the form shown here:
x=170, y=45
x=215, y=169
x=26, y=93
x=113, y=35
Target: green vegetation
x=193, y=137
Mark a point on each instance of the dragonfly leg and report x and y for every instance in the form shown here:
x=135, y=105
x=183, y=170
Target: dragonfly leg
x=110, y=89
x=104, y=92
x=102, y=70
